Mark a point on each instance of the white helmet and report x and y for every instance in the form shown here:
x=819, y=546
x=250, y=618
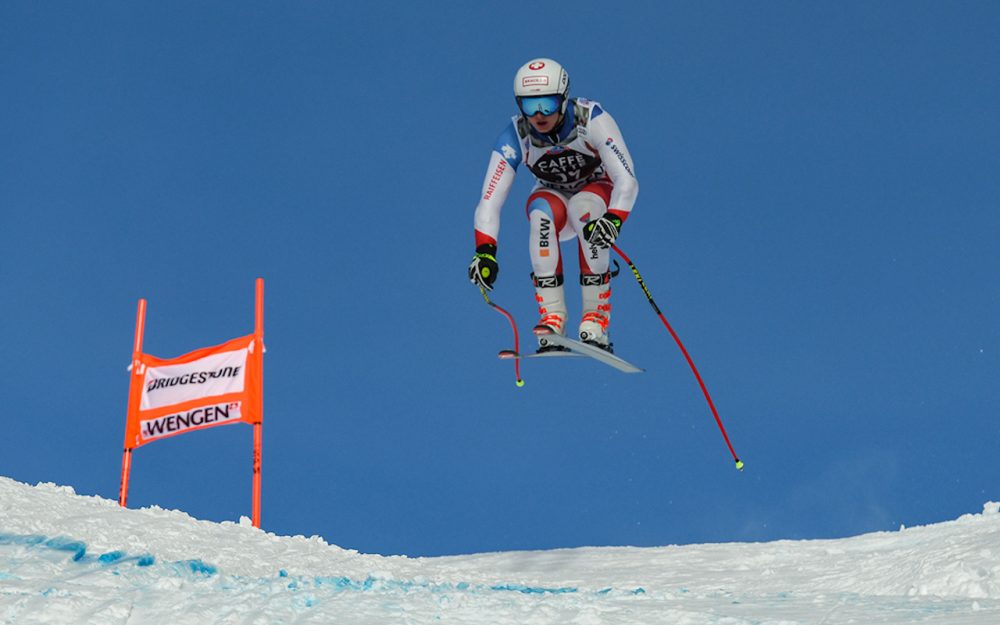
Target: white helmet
x=542, y=77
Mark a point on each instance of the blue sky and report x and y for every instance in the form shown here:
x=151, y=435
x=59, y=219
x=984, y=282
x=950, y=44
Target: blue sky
x=817, y=218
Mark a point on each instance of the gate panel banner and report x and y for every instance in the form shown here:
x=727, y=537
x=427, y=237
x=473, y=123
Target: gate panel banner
x=204, y=388
x=216, y=374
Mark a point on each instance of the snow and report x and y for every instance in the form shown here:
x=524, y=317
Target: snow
x=70, y=559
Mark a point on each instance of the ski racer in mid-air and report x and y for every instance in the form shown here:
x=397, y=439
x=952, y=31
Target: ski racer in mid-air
x=586, y=187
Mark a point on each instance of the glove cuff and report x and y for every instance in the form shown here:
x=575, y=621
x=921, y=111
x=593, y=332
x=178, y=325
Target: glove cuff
x=487, y=249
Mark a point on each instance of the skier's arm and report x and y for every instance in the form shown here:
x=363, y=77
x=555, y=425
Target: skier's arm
x=499, y=178
x=617, y=162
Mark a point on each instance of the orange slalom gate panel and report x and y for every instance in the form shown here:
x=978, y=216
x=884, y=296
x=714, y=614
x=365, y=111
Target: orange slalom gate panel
x=207, y=387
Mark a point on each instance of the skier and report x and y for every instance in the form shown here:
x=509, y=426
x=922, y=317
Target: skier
x=585, y=188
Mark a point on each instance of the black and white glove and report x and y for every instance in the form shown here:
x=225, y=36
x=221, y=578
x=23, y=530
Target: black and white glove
x=484, y=268
x=603, y=232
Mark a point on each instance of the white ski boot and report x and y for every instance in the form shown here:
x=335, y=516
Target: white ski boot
x=596, y=310
x=552, y=308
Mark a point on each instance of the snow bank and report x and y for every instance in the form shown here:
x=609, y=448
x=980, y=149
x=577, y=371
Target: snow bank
x=66, y=558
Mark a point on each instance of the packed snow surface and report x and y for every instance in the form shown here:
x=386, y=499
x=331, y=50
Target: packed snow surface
x=69, y=559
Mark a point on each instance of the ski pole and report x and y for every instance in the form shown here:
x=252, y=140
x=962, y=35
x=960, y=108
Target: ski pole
x=677, y=339
x=510, y=318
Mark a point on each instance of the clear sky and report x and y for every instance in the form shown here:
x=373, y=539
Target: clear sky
x=818, y=218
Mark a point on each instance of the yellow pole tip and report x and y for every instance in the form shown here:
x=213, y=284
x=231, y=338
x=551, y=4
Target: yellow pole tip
x=520, y=383
x=739, y=465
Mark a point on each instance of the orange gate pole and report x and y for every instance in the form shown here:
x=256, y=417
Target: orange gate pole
x=258, y=426
x=140, y=328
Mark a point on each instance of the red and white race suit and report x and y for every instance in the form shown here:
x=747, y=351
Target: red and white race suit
x=582, y=172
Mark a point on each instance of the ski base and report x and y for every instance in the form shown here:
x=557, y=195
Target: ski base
x=511, y=354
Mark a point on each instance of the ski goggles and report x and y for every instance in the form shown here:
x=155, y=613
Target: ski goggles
x=544, y=104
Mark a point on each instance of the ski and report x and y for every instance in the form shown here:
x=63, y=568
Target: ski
x=576, y=348
x=506, y=354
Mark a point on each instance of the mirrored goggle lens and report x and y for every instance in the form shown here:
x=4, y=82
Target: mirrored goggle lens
x=544, y=104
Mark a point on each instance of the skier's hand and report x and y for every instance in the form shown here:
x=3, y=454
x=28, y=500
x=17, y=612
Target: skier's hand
x=603, y=232
x=484, y=268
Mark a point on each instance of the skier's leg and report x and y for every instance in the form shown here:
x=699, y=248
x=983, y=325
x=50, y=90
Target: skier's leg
x=595, y=278
x=596, y=289
x=547, y=216
x=589, y=204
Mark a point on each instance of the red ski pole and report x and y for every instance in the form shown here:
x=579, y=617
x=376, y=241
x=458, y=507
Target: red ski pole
x=677, y=339
x=510, y=318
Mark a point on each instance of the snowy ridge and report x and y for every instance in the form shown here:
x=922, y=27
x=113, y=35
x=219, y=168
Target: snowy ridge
x=66, y=558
